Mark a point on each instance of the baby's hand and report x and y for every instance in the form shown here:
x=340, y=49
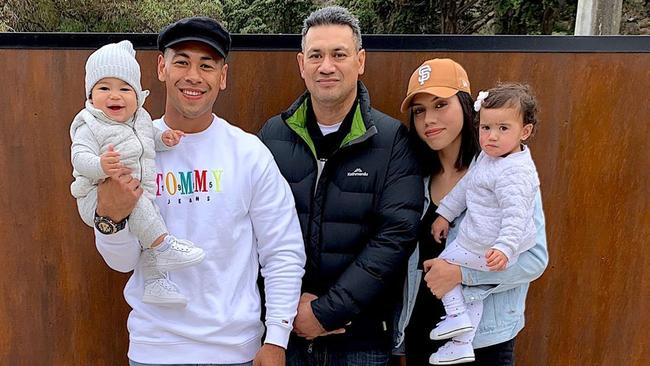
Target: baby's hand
x=110, y=162
x=496, y=260
x=172, y=137
x=440, y=228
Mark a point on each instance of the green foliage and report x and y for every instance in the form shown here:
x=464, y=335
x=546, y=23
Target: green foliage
x=286, y=16
x=386, y=17
x=266, y=16
x=157, y=14
x=532, y=16
x=101, y=15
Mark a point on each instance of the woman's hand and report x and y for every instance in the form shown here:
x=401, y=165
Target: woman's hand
x=441, y=276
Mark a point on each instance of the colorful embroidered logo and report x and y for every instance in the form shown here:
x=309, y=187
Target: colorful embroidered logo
x=189, y=186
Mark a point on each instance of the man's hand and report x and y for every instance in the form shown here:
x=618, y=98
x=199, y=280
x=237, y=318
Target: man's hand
x=439, y=228
x=172, y=137
x=270, y=355
x=496, y=260
x=441, y=276
x=110, y=162
x=305, y=324
x=116, y=197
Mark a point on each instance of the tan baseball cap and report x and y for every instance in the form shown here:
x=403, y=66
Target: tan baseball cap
x=442, y=77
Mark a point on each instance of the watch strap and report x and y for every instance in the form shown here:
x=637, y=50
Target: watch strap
x=106, y=225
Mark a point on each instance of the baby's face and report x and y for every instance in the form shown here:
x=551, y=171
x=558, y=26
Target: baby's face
x=115, y=98
x=501, y=131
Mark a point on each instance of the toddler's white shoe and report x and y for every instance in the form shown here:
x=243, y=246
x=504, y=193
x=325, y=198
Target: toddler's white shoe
x=162, y=291
x=451, y=326
x=452, y=353
x=179, y=254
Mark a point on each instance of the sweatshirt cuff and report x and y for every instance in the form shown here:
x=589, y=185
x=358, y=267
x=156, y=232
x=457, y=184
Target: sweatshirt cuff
x=277, y=334
x=120, y=237
x=505, y=250
x=446, y=213
x=98, y=172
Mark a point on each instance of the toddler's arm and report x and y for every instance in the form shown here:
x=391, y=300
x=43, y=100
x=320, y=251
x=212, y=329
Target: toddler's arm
x=496, y=260
x=454, y=202
x=85, y=153
x=171, y=138
x=110, y=162
x=166, y=140
x=439, y=228
x=515, y=190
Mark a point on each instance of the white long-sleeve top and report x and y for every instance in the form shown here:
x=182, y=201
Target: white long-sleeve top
x=498, y=194
x=221, y=189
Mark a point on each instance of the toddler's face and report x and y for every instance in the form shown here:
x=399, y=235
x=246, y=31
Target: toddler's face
x=115, y=98
x=501, y=131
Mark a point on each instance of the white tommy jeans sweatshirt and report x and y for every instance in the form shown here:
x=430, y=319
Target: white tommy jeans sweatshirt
x=221, y=189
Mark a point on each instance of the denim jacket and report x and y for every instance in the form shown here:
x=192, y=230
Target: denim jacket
x=503, y=293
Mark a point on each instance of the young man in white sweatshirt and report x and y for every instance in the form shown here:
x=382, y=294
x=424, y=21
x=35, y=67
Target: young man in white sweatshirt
x=220, y=188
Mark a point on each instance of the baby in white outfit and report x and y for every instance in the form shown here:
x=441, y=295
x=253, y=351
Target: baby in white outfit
x=114, y=132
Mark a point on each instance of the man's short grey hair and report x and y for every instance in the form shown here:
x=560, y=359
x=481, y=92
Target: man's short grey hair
x=333, y=15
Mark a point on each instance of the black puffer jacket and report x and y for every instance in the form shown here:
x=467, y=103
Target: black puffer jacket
x=359, y=218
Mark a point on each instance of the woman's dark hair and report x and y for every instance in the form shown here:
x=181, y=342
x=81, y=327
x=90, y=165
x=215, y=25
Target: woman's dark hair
x=469, y=146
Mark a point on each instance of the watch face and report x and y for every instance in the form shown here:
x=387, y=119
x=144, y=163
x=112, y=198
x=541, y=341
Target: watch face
x=104, y=227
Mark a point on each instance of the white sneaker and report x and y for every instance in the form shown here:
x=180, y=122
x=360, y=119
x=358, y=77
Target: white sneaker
x=181, y=254
x=452, y=326
x=452, y=353
x=163, y=291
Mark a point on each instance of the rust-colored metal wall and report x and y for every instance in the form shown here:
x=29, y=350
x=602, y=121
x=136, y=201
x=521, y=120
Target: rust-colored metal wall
x=61, y=305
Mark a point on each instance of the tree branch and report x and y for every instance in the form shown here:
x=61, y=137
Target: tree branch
x=477, y=23
x=464, y=7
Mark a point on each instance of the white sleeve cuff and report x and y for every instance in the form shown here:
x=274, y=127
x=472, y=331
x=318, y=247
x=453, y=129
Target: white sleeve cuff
x=505, y=250
x=446, y=213
x=278, y=335
x=98, y=171
x=119, y=237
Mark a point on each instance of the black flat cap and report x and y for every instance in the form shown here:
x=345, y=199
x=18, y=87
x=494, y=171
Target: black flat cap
x=200, y=29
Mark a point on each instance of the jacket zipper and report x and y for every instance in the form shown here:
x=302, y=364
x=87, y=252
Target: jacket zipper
x=141, y=148
x=320, y=166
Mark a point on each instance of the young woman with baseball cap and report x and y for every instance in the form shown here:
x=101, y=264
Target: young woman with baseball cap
x=445, y=139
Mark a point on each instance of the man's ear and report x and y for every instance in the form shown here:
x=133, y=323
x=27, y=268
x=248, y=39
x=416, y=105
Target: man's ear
x=161, y=68
x=224, y=76
x=362, y=61
x=300, y=57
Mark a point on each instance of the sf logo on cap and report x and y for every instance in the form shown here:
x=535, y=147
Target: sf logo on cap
x=425, y=73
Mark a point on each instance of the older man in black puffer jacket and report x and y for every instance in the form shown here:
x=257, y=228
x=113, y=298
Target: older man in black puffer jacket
x=359, y=197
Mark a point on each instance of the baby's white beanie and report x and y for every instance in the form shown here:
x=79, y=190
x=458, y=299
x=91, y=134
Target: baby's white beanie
x=115, y=60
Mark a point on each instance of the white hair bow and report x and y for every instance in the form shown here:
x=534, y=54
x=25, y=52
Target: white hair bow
x=479, y=100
